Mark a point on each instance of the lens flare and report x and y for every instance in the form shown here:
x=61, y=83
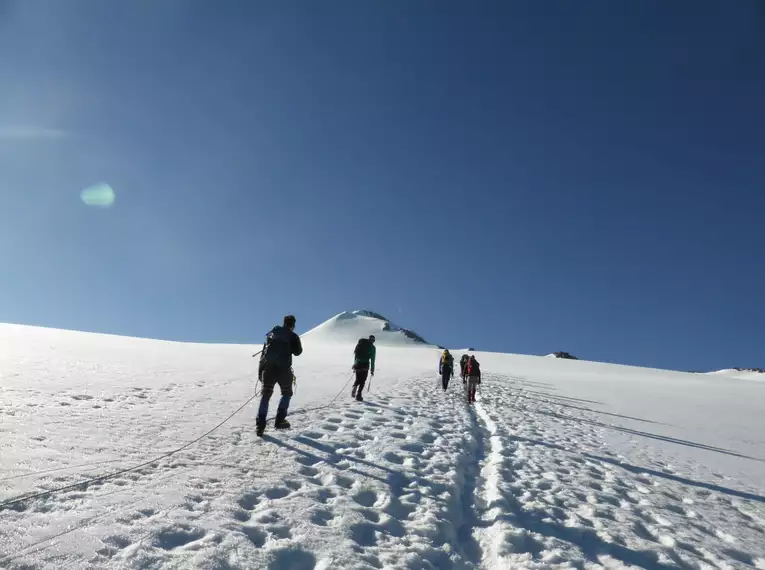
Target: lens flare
x=99, y=195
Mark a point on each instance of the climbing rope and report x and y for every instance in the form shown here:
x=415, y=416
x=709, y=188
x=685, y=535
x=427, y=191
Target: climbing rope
x=10, y=503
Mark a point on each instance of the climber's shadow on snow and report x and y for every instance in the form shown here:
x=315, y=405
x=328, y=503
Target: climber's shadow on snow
x=524, y=392
x=375, y=405
x=585, y=409
x=332, y=459
x=394, y=478
x=521, y=381
x=665, y=438
x=647, y=470
x=587, y=540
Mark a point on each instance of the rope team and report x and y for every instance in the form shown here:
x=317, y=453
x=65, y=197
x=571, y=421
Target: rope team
x=470, y=372
x=282, y=343
x=275, y=367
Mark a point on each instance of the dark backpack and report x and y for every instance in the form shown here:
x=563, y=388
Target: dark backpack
x=473, y=368
x=361, y=352
x=277, y=351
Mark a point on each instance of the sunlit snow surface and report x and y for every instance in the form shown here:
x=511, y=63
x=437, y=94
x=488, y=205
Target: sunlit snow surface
x=560, y=464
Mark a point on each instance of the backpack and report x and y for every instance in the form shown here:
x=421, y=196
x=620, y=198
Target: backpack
x=473, y=366
x=361, y=352
x=277, y=350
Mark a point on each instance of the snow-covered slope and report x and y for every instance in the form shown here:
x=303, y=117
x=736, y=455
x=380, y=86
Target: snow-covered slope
x=560, y=464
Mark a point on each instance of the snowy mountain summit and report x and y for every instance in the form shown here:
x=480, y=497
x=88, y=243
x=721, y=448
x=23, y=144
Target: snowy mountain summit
x=564, y=355
x=350, y=326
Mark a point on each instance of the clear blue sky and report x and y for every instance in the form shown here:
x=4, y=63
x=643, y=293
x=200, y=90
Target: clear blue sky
x=514, y=176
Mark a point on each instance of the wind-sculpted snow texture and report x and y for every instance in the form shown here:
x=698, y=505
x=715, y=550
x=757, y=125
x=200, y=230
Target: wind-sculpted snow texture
x=560, y=464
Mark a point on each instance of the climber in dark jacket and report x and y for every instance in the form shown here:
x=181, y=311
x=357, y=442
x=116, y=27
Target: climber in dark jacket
x=276, y=368
x=364, y=356
x=463, y=364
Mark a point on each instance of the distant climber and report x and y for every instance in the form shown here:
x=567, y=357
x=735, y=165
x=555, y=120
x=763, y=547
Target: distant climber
x=446, y=368
x=363, y=363
x=473, y=373
x=463, y=364
x=276, y=368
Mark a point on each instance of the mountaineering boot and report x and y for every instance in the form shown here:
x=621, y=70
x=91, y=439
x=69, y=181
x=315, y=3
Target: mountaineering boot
x=281, y=424
x=259, y=429
x=358, y=397
x=353, y=391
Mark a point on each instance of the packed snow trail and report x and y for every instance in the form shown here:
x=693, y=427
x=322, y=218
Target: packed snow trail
x=539, y=473
x=396, y=481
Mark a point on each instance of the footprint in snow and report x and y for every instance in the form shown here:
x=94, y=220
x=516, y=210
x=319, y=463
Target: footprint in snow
x=370, y=515
x=269, y=516
x=343, y=481
x=740, y=556
x=292, y=557
x=177, y=536
x=393, y=457
x=308, y=460
x=276, y=493
x=279, y=532
x=321, y=517
x=325, y=495
x=427, y=438
x=256, y=535
x=363, y=534
x=308, y=471
x=248, y=501
x=365, y=498
x=642, y=531
x=113, y=544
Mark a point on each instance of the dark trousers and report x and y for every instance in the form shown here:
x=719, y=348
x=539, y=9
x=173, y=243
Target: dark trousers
x=445, y=376
x=272, y=377
x=361, y=379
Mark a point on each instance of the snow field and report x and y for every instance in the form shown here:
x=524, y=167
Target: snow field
x=553, y=467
